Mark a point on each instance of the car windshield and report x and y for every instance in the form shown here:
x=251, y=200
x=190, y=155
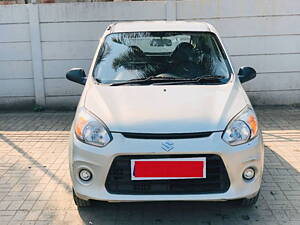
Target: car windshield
x=178, y=55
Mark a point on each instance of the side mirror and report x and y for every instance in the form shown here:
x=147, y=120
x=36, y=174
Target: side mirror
x=76, y=75
x=246, y=73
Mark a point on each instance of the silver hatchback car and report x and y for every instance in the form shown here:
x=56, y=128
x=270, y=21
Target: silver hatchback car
x=163, y=117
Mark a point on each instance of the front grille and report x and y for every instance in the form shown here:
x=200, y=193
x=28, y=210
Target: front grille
x=119, y=178
x=166, y=136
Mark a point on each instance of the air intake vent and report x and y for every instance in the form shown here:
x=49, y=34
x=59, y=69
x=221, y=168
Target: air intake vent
x=119, y=178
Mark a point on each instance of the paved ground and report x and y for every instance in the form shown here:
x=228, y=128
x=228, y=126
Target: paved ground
x=35, y=184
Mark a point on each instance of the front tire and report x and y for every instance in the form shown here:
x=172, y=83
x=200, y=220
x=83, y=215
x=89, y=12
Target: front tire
x=249, y=202
x=80, y=202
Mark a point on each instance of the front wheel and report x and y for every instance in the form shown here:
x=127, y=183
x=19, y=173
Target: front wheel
x=80, y=202
x=249, y=202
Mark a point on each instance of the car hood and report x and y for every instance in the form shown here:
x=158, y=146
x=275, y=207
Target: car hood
x=166, y=109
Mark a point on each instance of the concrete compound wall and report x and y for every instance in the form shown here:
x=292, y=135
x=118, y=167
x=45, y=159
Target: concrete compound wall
x=39, y=43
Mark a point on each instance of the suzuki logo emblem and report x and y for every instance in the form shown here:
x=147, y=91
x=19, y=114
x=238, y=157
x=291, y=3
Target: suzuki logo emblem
x=167, y=146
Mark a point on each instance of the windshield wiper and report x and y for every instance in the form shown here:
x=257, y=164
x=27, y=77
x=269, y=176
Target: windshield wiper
x=98, y=80
x=201, y=79
x=208, y=78
x=147, y=80
x=171, y=80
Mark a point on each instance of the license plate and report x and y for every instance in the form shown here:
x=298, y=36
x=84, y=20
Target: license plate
x=169, y=168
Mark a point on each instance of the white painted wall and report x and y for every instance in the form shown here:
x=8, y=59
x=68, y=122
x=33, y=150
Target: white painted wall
x=263, y=34
x=16, y=74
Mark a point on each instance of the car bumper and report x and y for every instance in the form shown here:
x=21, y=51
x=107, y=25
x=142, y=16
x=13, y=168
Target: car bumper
x=99, y=160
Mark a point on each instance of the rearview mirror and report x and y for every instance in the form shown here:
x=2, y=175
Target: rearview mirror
x=246, y=73
x=76, y=75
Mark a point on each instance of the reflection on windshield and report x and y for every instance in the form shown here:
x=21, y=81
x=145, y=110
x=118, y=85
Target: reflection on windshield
x=138, y=55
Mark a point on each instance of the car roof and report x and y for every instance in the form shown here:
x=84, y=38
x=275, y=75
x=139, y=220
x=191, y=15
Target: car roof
x=145, y=26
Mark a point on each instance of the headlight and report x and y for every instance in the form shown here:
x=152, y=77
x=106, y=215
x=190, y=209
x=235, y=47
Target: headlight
x=91, y=130
x=242, y=128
